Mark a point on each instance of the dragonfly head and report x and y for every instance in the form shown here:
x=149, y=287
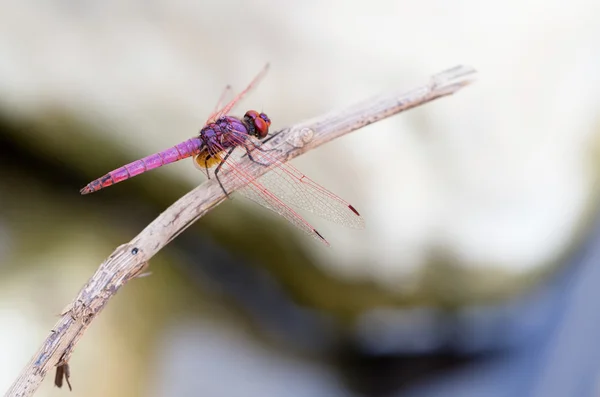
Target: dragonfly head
x=258, y=122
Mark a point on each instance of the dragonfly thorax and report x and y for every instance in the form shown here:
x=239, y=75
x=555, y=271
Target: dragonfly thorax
x=218, y=131
x=227, y=132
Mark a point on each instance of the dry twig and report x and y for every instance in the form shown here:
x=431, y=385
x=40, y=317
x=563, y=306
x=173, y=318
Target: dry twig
x=129, y=260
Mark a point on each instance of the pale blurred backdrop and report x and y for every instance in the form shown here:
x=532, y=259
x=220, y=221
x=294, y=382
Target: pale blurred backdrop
x=477, y=206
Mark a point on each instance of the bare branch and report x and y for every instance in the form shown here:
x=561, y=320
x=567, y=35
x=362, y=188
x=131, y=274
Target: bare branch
x=130, y=260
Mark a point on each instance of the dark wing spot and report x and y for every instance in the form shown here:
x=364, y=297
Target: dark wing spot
x=321, y=237
x=353, y=210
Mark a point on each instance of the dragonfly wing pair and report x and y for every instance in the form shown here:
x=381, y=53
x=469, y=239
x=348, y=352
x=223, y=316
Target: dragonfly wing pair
x=283, y=187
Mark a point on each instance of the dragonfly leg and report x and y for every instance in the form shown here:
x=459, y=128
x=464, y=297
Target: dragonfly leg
x=219, y=168
x=248, y=152
x=260, y=149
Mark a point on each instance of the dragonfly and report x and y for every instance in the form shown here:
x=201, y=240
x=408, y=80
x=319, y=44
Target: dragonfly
x=279, y=189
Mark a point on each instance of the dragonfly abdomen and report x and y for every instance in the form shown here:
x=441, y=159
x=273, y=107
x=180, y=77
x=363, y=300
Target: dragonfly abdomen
x=178, y=152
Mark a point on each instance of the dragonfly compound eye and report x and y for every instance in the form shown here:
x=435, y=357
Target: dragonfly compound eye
x=260, y=122
x=262, y=128
x=265, y=118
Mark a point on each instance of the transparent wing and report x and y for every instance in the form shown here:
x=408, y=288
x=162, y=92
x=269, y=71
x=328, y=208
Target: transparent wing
x=219, y=112
x=300, y=191
x=260, y=195
x=231, y=172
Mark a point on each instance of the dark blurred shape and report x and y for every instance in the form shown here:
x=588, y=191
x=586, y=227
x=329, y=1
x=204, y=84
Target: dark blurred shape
x=538, y=344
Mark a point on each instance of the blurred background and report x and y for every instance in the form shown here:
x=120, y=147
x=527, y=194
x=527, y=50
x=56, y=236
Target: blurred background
x=476, y=275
